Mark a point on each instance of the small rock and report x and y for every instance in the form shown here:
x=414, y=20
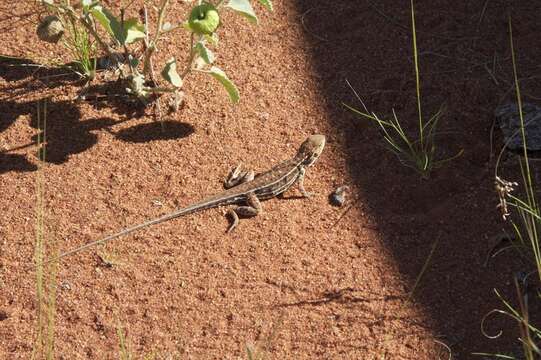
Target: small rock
x=338, y=196
x=65, y=285
x=110, y=62
x=509, y=122
x=50, y=29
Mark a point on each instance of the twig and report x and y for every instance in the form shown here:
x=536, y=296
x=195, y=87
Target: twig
x=425, y=266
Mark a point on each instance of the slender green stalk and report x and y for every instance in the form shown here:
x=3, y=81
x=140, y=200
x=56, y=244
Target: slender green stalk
x=521, y=115
x=531, y=217
x=45, y=272
x=417, y=77
x=425, y=266
x=191, y=58
x=38, y=252
x=124, y=352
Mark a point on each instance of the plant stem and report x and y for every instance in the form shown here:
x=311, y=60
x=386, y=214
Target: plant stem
x=148, y=67
x=124, y=46
x=190, y=59
x=161, y=16
x=417, y=81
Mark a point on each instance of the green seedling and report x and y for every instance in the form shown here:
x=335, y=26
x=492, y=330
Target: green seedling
x=417, y=152
x=135, y=68
x=82, y=49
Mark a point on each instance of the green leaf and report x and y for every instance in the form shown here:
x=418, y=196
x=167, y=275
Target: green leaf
x=244, y=8
x=131, y=32
x=170, y=73
x=267, y=4
x=104, y=17
x=231, y=89
x=206, y=54
x=125, y=33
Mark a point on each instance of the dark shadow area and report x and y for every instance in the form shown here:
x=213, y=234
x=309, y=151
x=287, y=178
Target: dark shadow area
x=112, y=94
x=25, y=77
x=345, y=296
x=15, y=162
x=163, y=130
x=28, y=76
x=65, y=133
x=465, y=64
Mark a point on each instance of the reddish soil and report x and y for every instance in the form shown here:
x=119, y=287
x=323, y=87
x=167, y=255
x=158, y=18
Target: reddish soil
x=331, y=283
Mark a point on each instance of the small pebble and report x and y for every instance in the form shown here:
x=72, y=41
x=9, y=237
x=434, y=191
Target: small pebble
x=338, y=196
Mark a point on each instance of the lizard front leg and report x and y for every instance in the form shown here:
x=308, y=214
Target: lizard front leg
x=238, y=176
x=300, y=181
x=251, y=209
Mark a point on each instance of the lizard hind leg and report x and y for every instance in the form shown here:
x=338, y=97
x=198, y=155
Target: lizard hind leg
x=251, y=209
x=238, y=176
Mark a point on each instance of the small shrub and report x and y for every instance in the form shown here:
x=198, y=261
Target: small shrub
x=91, y=26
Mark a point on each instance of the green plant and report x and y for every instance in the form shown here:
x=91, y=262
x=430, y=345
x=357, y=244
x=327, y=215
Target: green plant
x=137, y=68
x=82, y=49
x=526, y=234
x=45, y=271
x=528, y=332
x=417, y=152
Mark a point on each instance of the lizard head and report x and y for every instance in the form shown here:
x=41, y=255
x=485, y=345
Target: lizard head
x=310, y=149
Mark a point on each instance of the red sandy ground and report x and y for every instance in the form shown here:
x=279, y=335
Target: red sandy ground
x=331, y=289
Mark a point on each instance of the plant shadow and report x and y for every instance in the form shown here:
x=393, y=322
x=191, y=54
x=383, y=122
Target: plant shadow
x=66, y=134
x=112, y=94
x=163, y=130
x=25, y=76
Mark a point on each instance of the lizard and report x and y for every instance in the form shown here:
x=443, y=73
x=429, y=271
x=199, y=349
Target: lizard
x=241, y=188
